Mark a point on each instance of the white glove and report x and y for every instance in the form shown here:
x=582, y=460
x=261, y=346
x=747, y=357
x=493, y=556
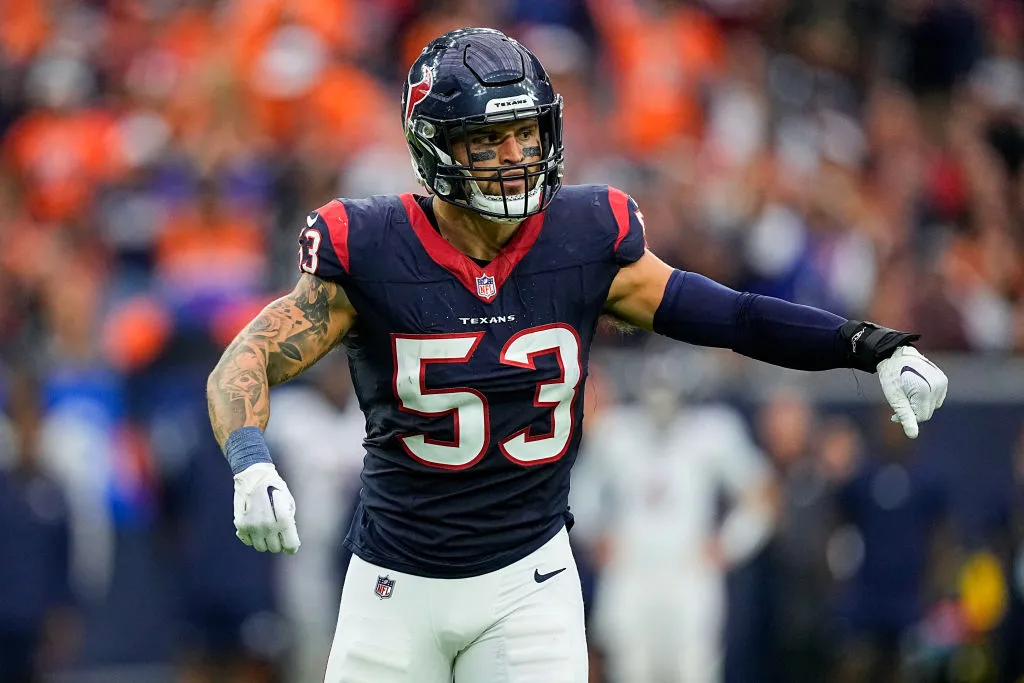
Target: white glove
x=913, y=386
x=265, y=510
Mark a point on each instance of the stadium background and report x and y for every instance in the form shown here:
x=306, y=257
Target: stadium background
x=157, y=159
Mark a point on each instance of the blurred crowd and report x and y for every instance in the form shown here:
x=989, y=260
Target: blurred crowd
x=787, y=542
x=862, y=156
x=157, y=158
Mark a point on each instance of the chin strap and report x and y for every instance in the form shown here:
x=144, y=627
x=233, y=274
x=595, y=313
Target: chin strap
x=494, y=203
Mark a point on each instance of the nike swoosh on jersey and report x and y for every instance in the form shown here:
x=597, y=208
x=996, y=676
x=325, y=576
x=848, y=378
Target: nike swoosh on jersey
x=270, y=495
x=541, y=578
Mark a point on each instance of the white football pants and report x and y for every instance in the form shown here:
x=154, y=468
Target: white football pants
x=501, y=627
x=661, y=625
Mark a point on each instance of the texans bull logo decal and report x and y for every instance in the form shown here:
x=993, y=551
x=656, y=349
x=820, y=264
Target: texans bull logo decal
x=418, y=92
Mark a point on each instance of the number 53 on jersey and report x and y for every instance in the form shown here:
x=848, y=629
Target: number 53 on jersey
x=469, y=407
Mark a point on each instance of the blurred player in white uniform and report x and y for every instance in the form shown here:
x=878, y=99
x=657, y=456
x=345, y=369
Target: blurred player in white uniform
x=650, y=484
x=326, y=471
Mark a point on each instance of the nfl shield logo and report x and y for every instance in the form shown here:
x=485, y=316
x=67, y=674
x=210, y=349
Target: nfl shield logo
x=384, y=587
x=485, y=286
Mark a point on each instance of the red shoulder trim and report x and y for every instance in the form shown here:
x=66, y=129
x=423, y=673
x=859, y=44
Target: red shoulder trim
x=335, y=217
x=619, y=201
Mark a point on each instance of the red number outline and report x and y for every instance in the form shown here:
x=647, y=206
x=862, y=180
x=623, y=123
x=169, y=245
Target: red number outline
x=423, y=361
x=504, y=360
x=530, y=365
x=310, y=250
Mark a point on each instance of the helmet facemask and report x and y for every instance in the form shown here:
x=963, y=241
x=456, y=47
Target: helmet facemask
x=434, y=141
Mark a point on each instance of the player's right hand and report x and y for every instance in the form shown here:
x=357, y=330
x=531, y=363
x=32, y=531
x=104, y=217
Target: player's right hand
x=265, y=510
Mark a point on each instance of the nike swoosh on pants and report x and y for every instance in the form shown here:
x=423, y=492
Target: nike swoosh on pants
x=541, y=578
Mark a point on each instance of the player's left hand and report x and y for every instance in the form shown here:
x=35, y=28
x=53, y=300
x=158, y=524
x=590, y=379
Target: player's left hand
x=913, y=386
x=265, y=510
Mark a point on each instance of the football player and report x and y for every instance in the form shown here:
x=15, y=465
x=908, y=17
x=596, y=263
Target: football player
x=674, y=496
x=467, y=316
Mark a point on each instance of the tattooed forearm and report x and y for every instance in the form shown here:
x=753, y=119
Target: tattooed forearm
x=288, y=336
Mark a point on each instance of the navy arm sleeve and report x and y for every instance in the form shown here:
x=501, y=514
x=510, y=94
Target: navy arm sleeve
x=697, y=310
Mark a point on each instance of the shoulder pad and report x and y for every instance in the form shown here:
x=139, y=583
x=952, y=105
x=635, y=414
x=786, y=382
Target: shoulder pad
x=631, y=240
x=338, y=231
x=323, y=242
x=607, y=214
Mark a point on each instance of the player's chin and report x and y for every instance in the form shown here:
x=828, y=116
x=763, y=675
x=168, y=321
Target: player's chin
x=511, y=185
x=513, y=188
x=495, y=188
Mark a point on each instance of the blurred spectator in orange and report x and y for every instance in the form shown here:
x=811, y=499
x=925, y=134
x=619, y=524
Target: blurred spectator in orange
x=440, y=17
x=661, y=55
x=209, y=256
x=63, y=148
x=293, y=60
x=24, y=28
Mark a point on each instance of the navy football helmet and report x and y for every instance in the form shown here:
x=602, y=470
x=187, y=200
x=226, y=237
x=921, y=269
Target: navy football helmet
x=469, y=78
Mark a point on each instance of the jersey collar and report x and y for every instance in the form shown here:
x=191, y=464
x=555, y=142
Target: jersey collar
x=482, y=281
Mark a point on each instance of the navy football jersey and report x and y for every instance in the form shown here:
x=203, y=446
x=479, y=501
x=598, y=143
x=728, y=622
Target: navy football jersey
x=471, y=376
